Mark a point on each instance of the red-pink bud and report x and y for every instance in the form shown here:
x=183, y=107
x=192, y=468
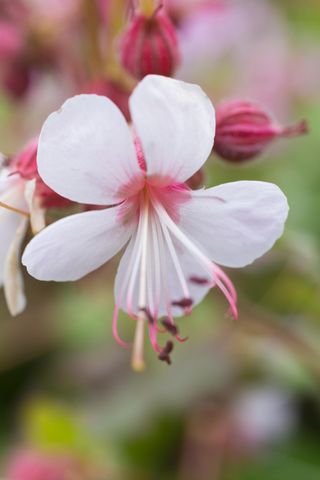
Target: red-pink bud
x=16, y=78
x=150, y=46
x=11, y=41
x=244, y=130
x=25, y=163
x=197, y=180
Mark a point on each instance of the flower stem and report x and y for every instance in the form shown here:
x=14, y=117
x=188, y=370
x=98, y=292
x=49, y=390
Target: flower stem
x=91, y=16
x=147, y=7
x=116, y=23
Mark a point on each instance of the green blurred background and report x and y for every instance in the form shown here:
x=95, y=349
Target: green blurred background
x=241, y=400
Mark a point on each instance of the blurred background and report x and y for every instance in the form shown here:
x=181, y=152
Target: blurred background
x=241, y=400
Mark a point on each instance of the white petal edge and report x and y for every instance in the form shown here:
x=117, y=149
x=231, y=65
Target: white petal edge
x=237, y=222
x=175, y=122
x=13, y=279
x=86, y=152
x=76, y=245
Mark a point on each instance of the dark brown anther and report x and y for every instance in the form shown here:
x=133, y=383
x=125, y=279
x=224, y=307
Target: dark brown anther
x=183, y=303
x=147, y=313
x=199, y=280
x=169, y=326
x=164, y=355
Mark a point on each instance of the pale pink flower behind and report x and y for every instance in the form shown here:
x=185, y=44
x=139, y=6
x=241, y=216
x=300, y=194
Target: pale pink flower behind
x=23, y=199
x=17, y=204
x=177, y=237
x=30, y=465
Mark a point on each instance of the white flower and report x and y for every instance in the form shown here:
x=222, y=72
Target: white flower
x=18, y=207
x=14, y=218
x=176, y=236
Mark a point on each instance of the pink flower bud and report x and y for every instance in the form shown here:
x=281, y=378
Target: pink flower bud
x=25, y=163
x=150, y=46
x=244, y=130
x=16, y=78
x=197, y=180
x=11, y=41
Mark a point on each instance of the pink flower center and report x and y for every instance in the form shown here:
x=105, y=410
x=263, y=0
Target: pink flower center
x=156, y=254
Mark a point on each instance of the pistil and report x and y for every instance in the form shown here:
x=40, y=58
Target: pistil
x=137, y=352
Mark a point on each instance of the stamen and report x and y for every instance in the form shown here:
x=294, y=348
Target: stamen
x=135, y=253
x=137, y=353
x=14, y=209
x=164, y=355
x=199, y=280
x=115, y=332
x=177, y=267
x=157, y=266
x=169, y=326
x=147, y=312
x=217, y=275
x=183, y=303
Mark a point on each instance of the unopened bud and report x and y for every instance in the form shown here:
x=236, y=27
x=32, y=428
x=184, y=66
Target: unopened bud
x=244, y=130
x=197, y=180
x=150, y=46
x=16, y=78
x=25, y=164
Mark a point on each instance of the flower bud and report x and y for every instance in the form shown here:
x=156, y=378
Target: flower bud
x=197, y=180
x=244, y=130
x=150, y=46
x=25, y=164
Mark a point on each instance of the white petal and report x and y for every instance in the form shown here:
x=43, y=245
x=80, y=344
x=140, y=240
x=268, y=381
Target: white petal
x=76, y=245
x=37, y=213
x=86, y=152
x=13, y=279
x=9, y=221
x=235, y=223
x=175, y=122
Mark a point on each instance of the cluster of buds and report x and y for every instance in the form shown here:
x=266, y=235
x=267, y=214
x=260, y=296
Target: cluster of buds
x=150, y=45
x=244, y=130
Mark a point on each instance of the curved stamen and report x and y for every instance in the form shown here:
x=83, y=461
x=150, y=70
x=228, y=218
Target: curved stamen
x=163, y=272
x=157, y=266
x=188, y=302
x=137, y=353
x=133, y=268
x=115, y=332
x=217, y=275
x=135, y=253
